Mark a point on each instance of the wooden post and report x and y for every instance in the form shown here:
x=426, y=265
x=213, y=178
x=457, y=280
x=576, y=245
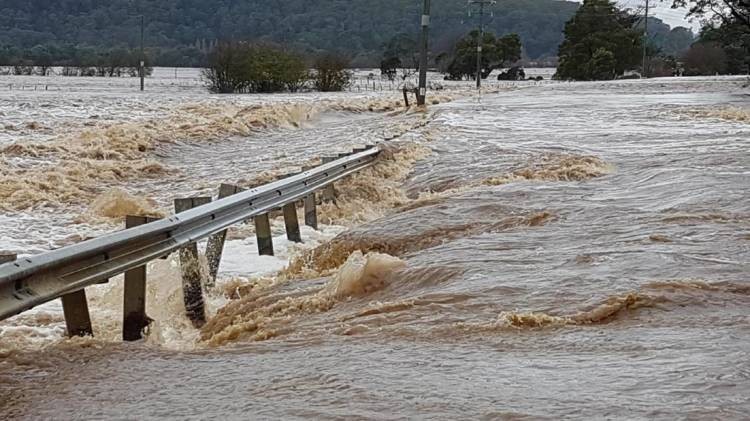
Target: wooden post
x=311, y=214
x=263, y=235
x=192, y=287
x=134, y=293
x=292, y=223
x=7, y=257
x=215, y=245
x=329, y=192
x=76, y=311
x=406, y=97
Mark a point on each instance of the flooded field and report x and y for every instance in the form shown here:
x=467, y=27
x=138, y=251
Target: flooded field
x=543, y=251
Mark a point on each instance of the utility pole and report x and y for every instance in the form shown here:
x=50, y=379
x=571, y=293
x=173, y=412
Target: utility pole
x=141, y=68
x=422, y=94
x=645, y=44
x=480, y=39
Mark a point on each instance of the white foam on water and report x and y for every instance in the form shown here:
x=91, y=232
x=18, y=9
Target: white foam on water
x=44, y=325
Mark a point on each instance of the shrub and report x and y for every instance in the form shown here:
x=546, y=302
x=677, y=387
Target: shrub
x=705, y=58
x=331, y=73
x=253, y=68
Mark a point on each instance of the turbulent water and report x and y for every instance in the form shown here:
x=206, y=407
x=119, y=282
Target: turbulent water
x=542, y=252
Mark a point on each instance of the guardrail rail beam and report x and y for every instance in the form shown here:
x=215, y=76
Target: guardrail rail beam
x=65, y=273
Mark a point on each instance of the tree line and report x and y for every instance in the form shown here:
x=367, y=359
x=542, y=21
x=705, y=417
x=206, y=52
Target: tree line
x=40, y=60
x=603, y=42
x=357, y=29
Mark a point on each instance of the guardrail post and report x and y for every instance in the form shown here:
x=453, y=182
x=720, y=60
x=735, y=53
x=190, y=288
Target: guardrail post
x=263, y=235
x=215, y=245
x=76, y=311
x=309, y=202
x=329, y=192
x=292, y=223
x=311, y=213
x=134, y=318
x=192, y=288
x=7, y=257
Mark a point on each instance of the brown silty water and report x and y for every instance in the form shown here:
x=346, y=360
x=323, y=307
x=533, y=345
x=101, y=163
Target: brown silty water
x=560, y=251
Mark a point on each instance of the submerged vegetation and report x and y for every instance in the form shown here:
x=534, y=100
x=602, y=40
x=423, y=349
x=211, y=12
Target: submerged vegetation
x=243, y=67
x=40, y=60
x=496, y=53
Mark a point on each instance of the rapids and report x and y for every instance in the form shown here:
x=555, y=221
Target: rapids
x=542, y=252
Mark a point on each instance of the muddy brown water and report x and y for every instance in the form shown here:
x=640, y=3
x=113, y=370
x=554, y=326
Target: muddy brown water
x=569, y=251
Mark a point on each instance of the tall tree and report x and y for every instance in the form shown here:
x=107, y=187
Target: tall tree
x=718, y=12
x=496, y=53
x=600, y=43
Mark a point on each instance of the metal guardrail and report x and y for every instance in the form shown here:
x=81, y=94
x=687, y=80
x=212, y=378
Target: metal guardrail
x=31, y=281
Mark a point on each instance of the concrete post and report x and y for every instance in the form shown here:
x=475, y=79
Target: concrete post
x=215, y=245
x=263, y=234
x=292, y=223
x=192, y=287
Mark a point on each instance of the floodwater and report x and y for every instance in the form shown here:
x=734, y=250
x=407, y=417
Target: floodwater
x=544, y=252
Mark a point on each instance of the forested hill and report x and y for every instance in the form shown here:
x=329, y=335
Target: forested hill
x=358, y=28
x=179, y=32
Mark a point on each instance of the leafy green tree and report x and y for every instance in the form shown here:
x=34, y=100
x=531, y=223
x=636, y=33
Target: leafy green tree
x=496, y=53
x=599, y=35
x=734, y=39
x=603, y=64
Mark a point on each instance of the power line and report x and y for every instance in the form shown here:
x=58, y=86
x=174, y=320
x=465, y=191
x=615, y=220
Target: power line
x=480, y=39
